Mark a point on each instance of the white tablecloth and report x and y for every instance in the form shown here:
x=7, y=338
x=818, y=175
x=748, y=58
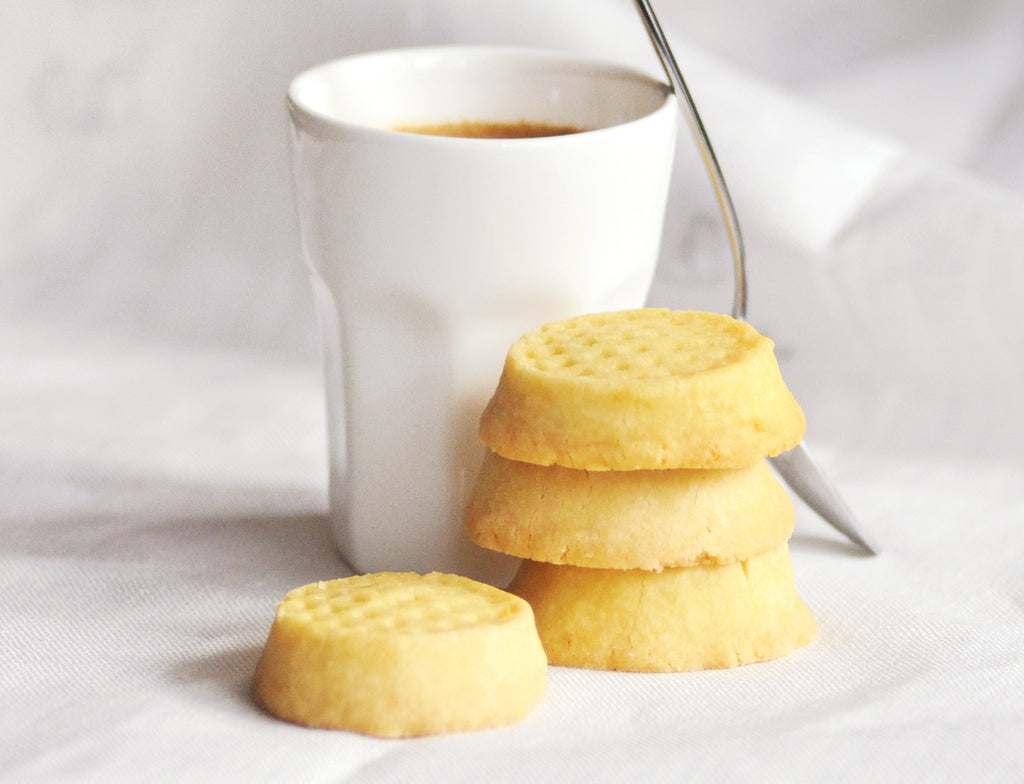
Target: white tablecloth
x=162, y=463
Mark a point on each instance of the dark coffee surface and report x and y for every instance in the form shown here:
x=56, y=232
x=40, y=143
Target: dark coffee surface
x=490, y=130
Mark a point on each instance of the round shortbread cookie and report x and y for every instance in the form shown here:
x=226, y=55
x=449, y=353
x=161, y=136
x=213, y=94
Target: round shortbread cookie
x=397, y=654
x=642, y=389
x=691, y=618
x=628, y=519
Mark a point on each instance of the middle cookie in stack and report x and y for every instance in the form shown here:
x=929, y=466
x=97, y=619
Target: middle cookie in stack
x=627, y=465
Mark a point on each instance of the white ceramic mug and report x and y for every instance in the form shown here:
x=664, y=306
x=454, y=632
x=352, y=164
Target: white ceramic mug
x=431, y=255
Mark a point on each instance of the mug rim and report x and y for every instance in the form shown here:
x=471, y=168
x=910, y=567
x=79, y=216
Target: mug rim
x=306, y=117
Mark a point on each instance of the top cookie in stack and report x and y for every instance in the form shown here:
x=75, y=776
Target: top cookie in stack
x=642, y=389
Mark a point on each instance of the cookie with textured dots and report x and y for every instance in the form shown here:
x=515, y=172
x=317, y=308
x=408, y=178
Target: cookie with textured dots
x=397, y=654
x=642, y=389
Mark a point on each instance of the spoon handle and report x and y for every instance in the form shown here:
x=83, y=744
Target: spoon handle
x=796, y=467
x=732, y=225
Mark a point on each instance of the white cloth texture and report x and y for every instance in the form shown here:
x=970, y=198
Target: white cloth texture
x=162, y=438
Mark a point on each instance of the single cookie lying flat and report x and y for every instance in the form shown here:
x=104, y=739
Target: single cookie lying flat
x=398, y=654
x=628, y=519
x=642, y=389
x=692, y=618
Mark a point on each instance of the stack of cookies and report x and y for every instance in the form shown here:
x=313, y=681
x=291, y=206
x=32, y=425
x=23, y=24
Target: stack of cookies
x=627, y=466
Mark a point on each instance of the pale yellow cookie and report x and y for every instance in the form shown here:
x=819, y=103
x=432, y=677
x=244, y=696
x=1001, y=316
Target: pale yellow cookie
x=691, y=618
x=628, y=519
x=398, y=654
x=642, y=389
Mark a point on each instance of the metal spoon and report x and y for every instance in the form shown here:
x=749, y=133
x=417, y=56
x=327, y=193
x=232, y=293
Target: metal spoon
x=800, y=471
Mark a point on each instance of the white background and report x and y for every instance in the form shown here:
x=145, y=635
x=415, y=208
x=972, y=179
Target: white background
x=162, y=465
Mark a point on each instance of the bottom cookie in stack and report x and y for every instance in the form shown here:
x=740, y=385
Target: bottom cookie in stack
x=676, y=619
